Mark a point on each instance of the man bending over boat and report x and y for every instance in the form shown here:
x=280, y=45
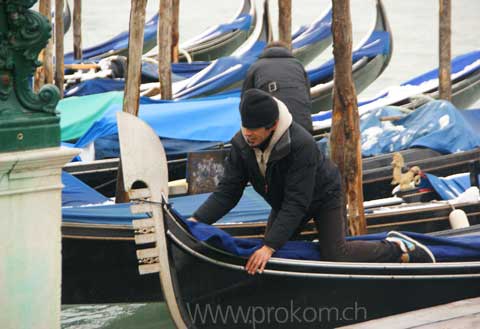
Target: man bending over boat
x=282, y=162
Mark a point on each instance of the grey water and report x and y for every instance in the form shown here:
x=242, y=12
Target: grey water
x=415, y=33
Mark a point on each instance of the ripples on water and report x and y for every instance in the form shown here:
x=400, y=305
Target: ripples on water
x=116, y=316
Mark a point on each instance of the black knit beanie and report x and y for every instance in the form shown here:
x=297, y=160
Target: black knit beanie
x=257, y=109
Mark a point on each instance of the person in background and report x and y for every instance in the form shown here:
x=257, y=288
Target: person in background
x=282, y=162
x=280, y=74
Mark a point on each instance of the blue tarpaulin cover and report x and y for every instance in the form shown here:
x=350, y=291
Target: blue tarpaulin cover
x=218, y=120
x=76, y=193
x=437, y=125
x=444, y=249
x=448, y=187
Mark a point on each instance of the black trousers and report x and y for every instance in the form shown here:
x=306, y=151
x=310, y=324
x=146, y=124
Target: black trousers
x=331, y=230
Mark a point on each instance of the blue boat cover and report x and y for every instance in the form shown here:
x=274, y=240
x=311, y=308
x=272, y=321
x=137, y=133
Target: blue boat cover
x=444, y=249
x=219, y=75
x=460, y=66
x=437, y=125
x=448, y=187
x=251, y=208
x=95, y=86
x=211, y=119
x=115, y=44
x=76, y=193
x=378, y=43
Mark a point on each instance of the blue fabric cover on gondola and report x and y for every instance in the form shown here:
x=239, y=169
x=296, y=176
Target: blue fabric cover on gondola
x=448, y=187
x=437, y=125
x=444, y=249
x=95, y=86
x=378, y=43
x=251, y=208
x=220, y=74
x=215, y=119
x=108, y=146
x=76, y=193
x=118, y=42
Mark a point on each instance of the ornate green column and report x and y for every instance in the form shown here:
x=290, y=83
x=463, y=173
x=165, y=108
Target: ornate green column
x=31, y=160
x=27, y=120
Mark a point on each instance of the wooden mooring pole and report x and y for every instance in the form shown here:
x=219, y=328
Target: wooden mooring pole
x=445, y=49
x=164, y=36
x=77, y=29
x=175, y=31
x=59, y=48
x=345, y=132
x=131, y=98
x=285, y=21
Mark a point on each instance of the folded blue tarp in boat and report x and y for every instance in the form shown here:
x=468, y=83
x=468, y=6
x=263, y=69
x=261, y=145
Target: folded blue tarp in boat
x=448, y=187
x=444, y=249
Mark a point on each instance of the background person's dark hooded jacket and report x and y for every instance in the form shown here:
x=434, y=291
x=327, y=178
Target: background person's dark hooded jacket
x=294, y=178
x=277, y=64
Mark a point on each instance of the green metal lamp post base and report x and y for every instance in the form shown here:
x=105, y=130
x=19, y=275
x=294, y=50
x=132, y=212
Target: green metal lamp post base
x=27, y=120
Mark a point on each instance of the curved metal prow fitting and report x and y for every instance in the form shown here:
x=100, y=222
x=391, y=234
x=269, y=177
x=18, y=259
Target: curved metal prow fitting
x=143, y=160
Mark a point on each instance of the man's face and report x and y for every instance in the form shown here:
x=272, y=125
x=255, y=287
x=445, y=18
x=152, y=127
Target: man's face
x=256, y=136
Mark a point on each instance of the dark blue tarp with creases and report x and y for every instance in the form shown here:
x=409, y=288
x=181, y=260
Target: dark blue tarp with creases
x=437, y=125
x=448, y=187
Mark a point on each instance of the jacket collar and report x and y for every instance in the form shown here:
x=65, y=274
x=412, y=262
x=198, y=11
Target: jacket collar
x=279, y=145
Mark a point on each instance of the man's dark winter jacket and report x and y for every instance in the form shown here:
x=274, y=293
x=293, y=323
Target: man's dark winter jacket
x=297, y=180
x=278, y=72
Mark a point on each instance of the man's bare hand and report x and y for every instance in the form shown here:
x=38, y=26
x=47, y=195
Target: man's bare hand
x=192, y=219
x=258, y=260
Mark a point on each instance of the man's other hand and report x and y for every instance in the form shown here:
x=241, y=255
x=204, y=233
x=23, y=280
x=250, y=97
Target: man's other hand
x=192, y=219
x=258, y=260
